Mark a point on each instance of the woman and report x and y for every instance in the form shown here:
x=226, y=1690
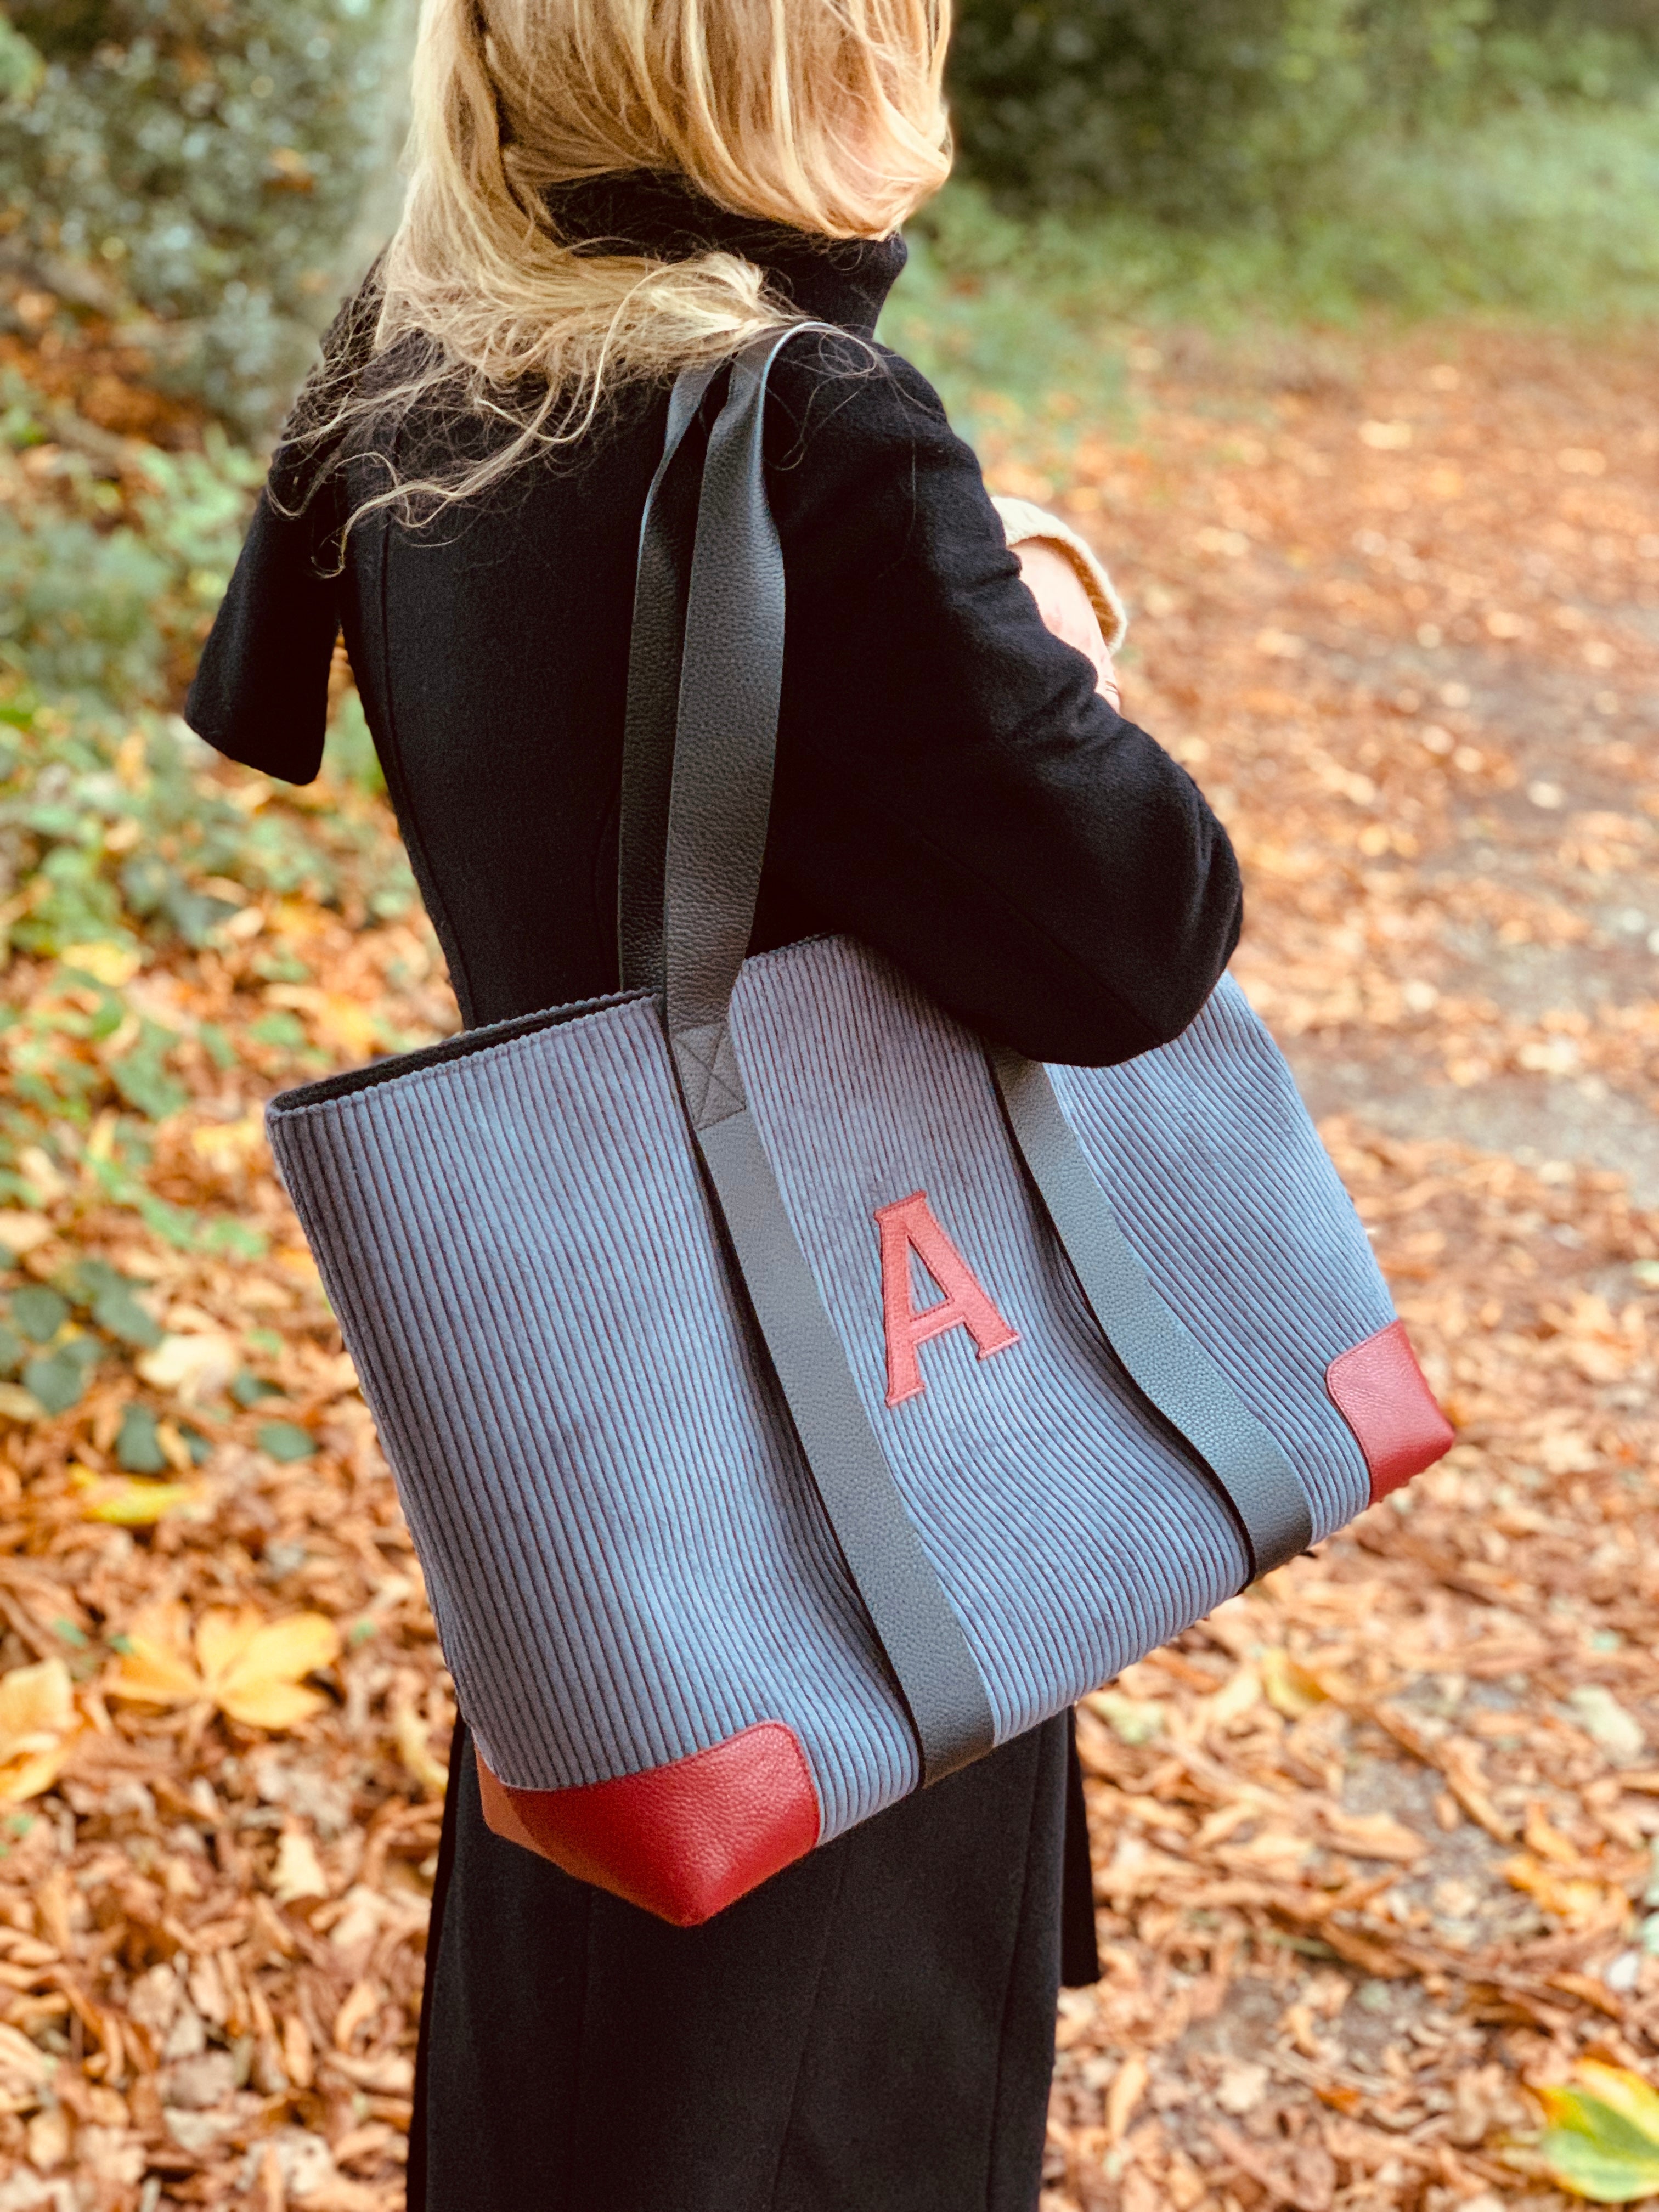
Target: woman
x=604, y=191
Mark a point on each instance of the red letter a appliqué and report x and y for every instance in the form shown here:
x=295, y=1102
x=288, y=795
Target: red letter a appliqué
x=908, y=1225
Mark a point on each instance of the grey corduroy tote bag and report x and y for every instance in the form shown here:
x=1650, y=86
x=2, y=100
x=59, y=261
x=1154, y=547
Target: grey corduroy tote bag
x=791, y=1398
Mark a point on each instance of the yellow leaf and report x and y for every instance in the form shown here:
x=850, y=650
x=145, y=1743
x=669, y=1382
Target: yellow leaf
x=156, y=1668
x=105, y=963
x=127, y=1501
x=1627, y=2094
x=230, y=1144
x=249, y=1667
x=272, y=1705
x=1289, y=1687
x=36, y=1723
x=338, y=1021
x=414, y=1743
x=1577, y=1902
x=1602, y=2140
x=223, y=1638
x=17, y=1404
x=283, y=1650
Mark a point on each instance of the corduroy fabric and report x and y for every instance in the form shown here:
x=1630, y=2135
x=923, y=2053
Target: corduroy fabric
x=626, y=1558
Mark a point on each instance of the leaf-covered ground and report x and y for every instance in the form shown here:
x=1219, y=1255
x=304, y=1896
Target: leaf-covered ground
x=1374, y=1845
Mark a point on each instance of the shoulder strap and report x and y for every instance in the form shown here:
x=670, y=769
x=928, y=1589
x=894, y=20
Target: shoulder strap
x=721, y=796
x=653, y=662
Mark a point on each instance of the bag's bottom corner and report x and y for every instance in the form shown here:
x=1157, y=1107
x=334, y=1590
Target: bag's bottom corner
x=683, y=1840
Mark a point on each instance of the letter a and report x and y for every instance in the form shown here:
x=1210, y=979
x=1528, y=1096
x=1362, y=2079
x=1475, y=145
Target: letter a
x=908, y=1225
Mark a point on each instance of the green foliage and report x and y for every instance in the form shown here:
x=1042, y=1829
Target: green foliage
x=93, y=604
x=205, y=162
x=21, y=66
x=1217, y=108
x=117, y=843
x=285, y=1441
x=55, y=1336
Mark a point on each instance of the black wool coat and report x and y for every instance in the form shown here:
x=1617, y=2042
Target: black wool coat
x=874, y=2027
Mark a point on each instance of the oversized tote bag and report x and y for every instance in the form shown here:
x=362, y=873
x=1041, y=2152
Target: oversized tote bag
x=790, y=1397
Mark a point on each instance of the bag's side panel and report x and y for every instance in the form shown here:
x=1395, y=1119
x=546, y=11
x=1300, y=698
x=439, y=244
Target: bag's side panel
x=626, y=1560
x=1219, y=1180
x=1070, y=1532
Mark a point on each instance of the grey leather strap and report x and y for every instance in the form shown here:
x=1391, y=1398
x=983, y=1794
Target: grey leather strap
x=914, y=1619
x=1160, y=1355
x=721, y=796
x=653, y=660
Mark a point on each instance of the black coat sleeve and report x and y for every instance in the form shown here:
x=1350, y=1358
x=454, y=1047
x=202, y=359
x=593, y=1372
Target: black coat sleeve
x=951, y=788
x=260, y=693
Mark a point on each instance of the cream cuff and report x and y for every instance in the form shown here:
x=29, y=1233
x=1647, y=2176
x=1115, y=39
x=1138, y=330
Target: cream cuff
x=1022, y=520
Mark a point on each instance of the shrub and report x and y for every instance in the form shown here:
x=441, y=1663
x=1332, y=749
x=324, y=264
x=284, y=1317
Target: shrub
x=207, y=163
x=1217, y=108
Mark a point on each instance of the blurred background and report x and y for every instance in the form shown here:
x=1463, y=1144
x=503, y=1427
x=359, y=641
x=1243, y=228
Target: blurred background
x=1332, y=323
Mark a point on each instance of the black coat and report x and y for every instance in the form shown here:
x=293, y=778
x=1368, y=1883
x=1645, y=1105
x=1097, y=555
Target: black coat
x=874, y=2027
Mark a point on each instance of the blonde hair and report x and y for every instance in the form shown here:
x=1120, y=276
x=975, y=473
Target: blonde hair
x=824, y=115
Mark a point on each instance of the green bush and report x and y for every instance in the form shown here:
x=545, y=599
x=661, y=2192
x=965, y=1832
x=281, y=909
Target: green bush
x=201, y=163
x=1217, y=109
x=109, y=604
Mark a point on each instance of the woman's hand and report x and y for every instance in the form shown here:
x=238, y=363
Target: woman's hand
x=1066, y=607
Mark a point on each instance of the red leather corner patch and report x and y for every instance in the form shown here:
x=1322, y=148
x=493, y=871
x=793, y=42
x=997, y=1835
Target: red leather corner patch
x=682, y=1841
x=1384, y=1397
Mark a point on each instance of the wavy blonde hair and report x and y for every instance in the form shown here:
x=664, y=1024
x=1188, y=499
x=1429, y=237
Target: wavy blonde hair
x=824, y=115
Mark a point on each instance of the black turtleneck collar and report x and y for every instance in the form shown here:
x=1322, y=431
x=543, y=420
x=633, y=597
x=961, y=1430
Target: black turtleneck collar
x=835, y=280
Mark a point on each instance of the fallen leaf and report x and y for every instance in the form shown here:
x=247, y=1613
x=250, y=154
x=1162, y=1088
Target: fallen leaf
x=128, y=1501
x=1602, y=2139
x=38, y=1722
x=1287, y=1685
x=194, y=1367
x=1132, y=1720
x=21, y=1232
x=1374, y=1836
x=249, y=1667
x=1615, y=1733
x=1128, y=2086
x=1579, y=1903
x=414, y=1743
x=298, y=1872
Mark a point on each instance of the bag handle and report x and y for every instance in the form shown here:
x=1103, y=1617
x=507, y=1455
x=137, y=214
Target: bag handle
x=654, y=661
x=719, y=798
